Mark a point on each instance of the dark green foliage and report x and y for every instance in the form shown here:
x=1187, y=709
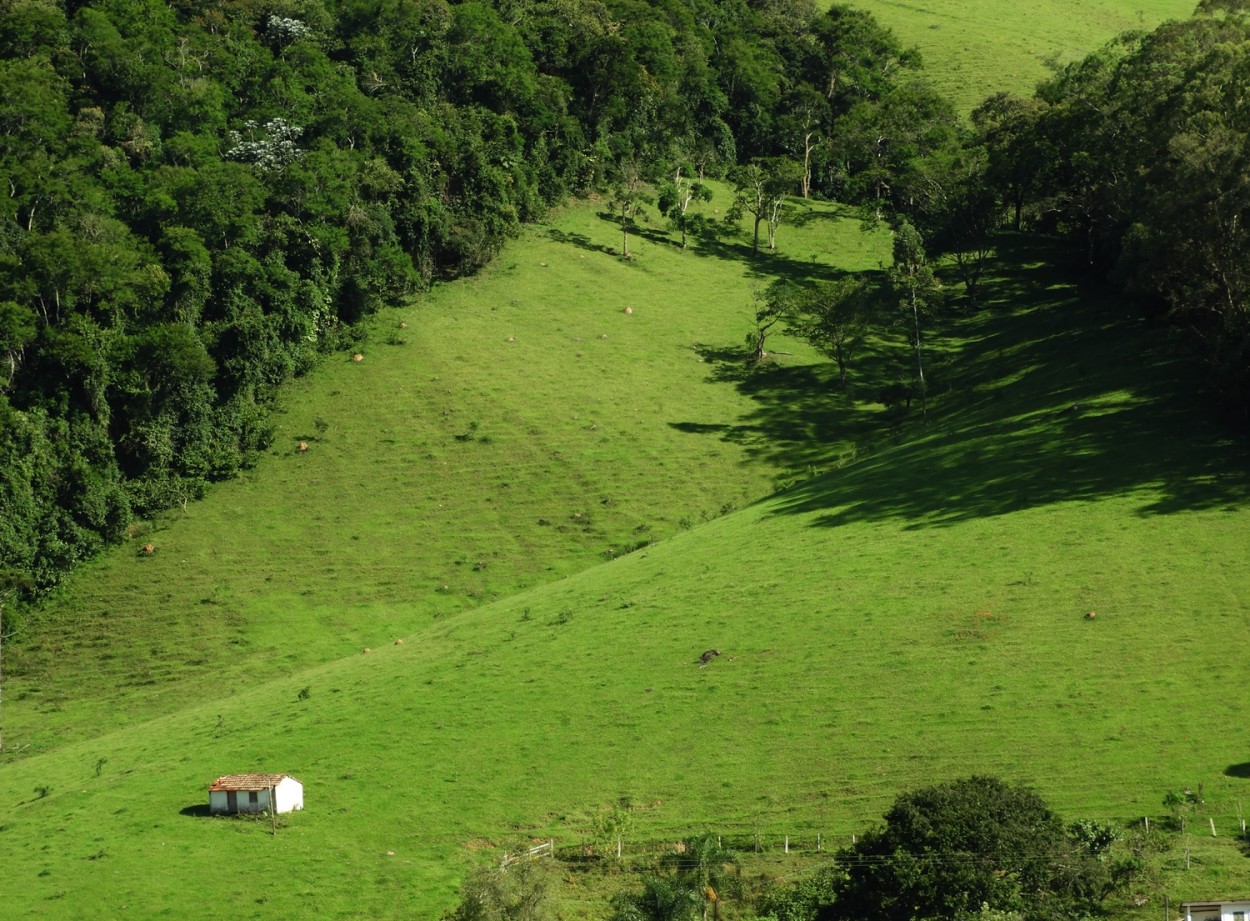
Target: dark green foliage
x=1140, y=154
x=948, y=850
x=798, y=901
x=203, y=198
x=835, y=316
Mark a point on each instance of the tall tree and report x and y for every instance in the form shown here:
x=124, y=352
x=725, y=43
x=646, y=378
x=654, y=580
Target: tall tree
x=835, y=317
x=918, y=293
x=675, y=198
x=760, y=191
x=630, y=195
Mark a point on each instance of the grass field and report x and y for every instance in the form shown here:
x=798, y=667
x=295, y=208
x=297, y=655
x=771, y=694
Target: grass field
x=910, y=607
x=972, y=48
x=526, y=428
x=915, y=615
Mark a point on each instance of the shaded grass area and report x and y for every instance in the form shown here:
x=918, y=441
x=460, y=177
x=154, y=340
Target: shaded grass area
x=904, y=620
x=1025, y=430
x=972, y=48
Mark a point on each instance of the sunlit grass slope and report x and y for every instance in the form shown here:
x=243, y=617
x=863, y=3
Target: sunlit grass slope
x=918, y=615
x=504, y=431
x=972, y=48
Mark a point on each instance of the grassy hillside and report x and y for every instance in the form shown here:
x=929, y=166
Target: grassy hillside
x=972, y=48
x=504, y=431
x=915, y=616
x=911, y=608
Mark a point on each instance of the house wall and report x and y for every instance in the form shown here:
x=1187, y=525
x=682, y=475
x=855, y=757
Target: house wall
x=289, y=795
x=1221, y=911
x=218, y=801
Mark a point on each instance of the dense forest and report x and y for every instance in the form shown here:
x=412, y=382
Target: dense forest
x=202, y=198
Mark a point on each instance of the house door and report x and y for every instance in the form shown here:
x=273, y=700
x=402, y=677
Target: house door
x=232, y=801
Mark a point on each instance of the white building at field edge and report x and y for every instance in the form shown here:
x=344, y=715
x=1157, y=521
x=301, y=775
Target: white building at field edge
x=250, y=793
x=1234, y=910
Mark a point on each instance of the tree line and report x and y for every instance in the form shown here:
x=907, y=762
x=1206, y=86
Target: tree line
x=1137, y=155
x=204, y=197
x=1140, y=155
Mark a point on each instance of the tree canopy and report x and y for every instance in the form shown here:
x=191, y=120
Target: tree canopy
x=948, y=850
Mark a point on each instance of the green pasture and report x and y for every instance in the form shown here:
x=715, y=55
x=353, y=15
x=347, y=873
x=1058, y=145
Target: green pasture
x=916, y=612
x=972, y=48
x=504, y=431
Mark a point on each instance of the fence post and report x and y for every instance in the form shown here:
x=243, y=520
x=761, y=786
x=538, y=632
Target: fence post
x=818, y=844
x=787, y=844
x=1212, y=821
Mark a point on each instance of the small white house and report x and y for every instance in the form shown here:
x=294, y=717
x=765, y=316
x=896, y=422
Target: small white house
x=252, y=792
x=1234, y=910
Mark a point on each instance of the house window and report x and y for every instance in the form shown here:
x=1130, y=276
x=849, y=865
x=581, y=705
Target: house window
x=1239, y=916
x=253, y=797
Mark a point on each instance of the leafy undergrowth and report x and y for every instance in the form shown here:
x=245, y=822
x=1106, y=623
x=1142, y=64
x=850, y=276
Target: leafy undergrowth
x=918, y=615
x=972, y=48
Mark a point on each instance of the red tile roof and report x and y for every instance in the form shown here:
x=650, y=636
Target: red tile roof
x=247, y=781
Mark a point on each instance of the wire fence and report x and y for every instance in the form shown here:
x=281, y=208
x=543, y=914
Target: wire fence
x=653, y=844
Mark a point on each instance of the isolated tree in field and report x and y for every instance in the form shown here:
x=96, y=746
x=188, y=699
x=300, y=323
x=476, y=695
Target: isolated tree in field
x=778, y=302
x=612, y=825
x=629, y=197
x=760, y=191
x=954, y=849
x=917, y=291
x=675, y=199
x=783, y=179
x=835, y=317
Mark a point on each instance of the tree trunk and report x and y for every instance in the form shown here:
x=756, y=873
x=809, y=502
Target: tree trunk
x=755, y=244
x=915, y=309
x=806, y=181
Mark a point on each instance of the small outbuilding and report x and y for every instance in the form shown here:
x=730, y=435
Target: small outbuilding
x=1227, y=910
x=254, y=792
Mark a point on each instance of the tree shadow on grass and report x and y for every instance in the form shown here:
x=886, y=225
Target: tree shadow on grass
x=1070, y=398
x=803, y=420
x=580, y=240
x=1238, y=770
x=1073, y=399
x=727, y=364
x=198, y=811
x=763, y=263
x=800, y=213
